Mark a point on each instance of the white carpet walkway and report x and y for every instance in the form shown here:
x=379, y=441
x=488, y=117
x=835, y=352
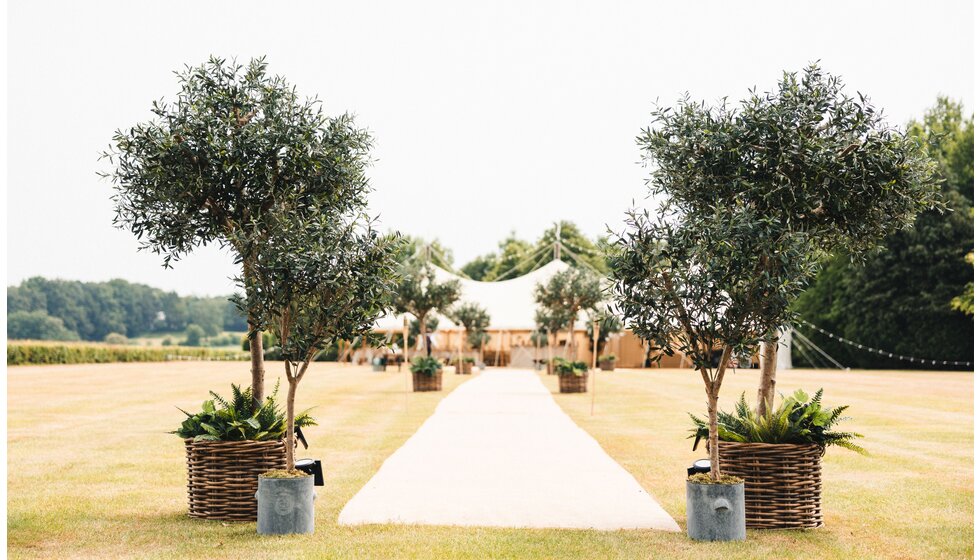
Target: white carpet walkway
x=499, y=452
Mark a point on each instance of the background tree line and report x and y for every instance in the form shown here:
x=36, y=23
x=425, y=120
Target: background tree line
x=44, y=309
x=901, y=298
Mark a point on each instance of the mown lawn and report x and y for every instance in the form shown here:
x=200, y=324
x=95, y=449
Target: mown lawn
x=93, y=473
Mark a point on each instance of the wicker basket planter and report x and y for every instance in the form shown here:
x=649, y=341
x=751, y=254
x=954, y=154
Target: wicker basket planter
x=782, y=482
x=422, y=382
x=607, y=365
x=222, y=476
x=571, y=383
x=466, y=369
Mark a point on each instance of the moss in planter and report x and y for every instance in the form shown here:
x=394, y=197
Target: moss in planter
x=284, y=473
x=705, y=478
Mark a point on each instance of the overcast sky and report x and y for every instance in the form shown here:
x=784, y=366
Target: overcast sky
x=488, y=117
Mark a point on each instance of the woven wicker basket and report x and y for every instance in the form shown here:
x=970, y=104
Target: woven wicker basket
x=422, y=382
x=571, y=383
x=607, y=366
x=464, y=368
x=222, y=476
x=782, y=482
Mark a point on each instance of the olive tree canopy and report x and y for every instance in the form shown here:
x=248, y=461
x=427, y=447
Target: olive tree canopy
x=695, y=284
x=315, y=283
x=817, y=161
x=235, y=146
x=419, y=294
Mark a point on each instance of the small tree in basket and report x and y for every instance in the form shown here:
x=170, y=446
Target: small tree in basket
x=419, y=294
x=316, y=283
x=693, y=283
x=472, y=317
x=568, y=292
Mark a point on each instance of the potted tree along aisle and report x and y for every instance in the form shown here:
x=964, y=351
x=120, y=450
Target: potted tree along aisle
x=779, y=455
x=474, y=319
x=228, y=444
x=421, y=295
x=689, y=282
x=426, y=374
x=823, y=167
x=565, y=294
x=316, y=282
x=550, y=321
x=573, y=377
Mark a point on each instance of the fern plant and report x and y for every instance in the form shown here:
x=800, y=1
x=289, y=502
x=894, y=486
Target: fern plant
x=568, y=367
x=798, y=419
x=426, y=365
x=238, y=419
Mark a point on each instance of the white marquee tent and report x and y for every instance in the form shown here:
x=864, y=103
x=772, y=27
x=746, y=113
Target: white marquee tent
x=510, y=303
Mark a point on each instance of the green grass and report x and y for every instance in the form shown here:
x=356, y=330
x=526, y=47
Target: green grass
x=92, y=473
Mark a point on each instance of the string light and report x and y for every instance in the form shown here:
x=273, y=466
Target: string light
x=882, y=352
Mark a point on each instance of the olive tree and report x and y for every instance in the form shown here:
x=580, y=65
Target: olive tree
x=568, y=292
x=694, y=283
x=234, y=147
x=316, y=283
x=609, y=324
x=818, y=162
x=473, y=318
x=549, y=321
x=419, y=294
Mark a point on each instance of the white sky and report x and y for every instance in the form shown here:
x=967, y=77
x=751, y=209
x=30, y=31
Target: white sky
x=488, y=118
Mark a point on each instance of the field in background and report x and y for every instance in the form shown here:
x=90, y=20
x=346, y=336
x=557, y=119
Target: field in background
x=93, y=473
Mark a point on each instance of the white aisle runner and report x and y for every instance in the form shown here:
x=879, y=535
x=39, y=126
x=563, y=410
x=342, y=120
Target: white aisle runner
x=499, y=452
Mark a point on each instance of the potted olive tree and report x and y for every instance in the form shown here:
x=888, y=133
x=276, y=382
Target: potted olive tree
x=779, y=455
x=607, y=362
x=573, y=377
x=473, y=319
x=426, y=374
x=566, y=293
x=609, y=324
x=826, y=169
x=689, y=281
x=229, y=442
x=549, y=321
x=315, y=282
x=419, y=294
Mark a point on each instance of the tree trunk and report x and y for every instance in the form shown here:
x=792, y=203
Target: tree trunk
x=551, y=346
x=571, y=340
x=258, y=366
x=255, y=342
x=291, y=421
x=425, y=335
x=767, y=379
x=713, y=430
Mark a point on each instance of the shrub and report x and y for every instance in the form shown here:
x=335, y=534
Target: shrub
x=796, y=420
x=426, y=365
x=238, y=419
x=167, y=342
x=116, y=338
x=469, y=360
x=194, y=335
x=607, y=358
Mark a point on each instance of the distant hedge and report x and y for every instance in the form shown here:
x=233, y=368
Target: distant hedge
x=36, y=353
